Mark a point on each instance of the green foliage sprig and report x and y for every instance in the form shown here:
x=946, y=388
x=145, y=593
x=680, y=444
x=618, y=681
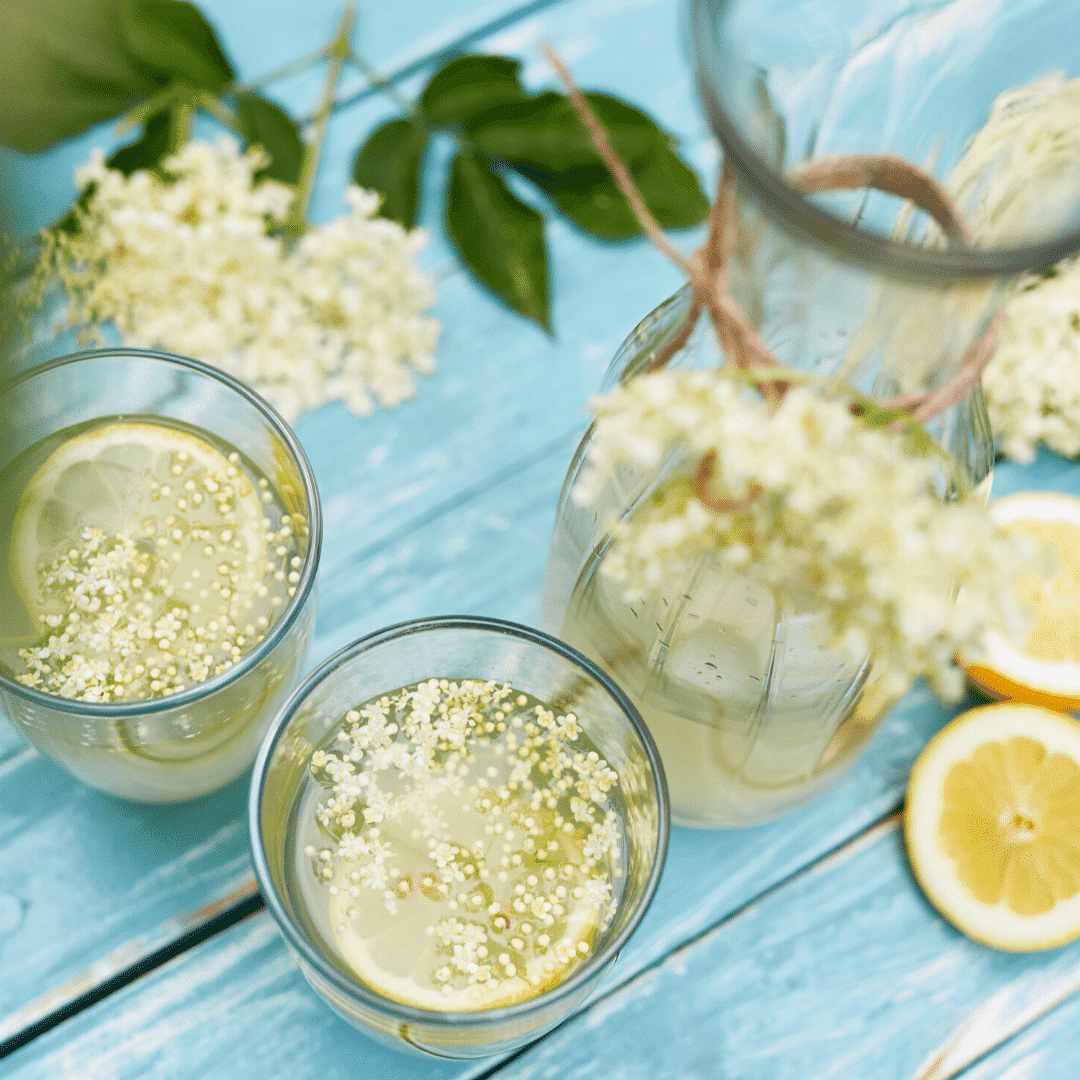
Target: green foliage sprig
x=70, y=64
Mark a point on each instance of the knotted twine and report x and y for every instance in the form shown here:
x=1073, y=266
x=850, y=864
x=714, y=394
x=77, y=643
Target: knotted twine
x=707, y=271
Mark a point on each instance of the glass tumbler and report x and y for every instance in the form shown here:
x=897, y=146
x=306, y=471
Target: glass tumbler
x=165, y=748
x=753, y=715
x=453, y=648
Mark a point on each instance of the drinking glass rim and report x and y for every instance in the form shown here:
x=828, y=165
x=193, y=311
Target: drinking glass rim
x=150, y=706
x=353, y=987
x=795, y=211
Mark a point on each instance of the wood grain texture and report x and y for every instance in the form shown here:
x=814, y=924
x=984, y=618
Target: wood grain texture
x=842, y=972
x=442, y=505
x=845, y=972
x=507, y=403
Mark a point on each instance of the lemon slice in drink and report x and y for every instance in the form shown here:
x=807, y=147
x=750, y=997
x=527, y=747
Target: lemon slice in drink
x=395, y=957
x=992, y=825
x=140, y=552
x=1045, y=670
x=131, y=477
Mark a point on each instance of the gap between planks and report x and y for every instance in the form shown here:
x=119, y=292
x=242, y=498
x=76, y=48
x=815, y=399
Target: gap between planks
x=125, y=964
x=1002, y=1016
x=141, y=956
x=1006, y=1013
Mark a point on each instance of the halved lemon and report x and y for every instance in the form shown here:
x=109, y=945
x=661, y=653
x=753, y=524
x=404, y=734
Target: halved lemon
x=1045, y=670
x=992, y=825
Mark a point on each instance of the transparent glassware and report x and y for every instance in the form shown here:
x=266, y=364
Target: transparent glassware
x=752, y=716
x=167, y=749
x=453, y=648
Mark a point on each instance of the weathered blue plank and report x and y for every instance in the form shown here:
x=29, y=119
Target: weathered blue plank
x=1047, y=1049
x=844, y=972
x=505, y=393
x=418, y=522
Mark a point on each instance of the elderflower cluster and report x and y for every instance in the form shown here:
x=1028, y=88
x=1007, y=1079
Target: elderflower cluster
x=1032, y=384
x=468, y=811
x=1016, y=174
x=190, y=261
x=836, y=517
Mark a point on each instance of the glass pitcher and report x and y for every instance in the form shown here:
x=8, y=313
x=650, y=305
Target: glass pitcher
x=752, y=714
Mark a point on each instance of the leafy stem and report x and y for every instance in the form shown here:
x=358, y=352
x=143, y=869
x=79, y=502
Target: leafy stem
x=293, y=67
x=217, y=108
x=165, y=64
x=337, y=54
x=181, y=118
x=146, y=110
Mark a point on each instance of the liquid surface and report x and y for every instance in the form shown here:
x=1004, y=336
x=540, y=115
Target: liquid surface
x=460, y=849
x=142, y=559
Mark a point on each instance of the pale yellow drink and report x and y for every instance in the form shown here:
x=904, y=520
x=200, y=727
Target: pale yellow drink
x=462, y=849
x=750, y=712
x=140, y=559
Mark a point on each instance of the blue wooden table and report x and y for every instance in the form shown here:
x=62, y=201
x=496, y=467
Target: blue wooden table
x=132, y=941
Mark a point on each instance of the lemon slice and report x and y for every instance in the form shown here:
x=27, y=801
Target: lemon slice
x=1045, y=670
x=394, y=961
x=116, y=477
x=992, y=825
x=141, y=552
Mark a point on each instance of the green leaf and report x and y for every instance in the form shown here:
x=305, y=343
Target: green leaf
x=389, y=162
x=271, y=127
x=593, y=201
x=66, y=66
x=148, y=150
x=498, y=237
x=545, y=135
x=468, y=87
x=173, y=39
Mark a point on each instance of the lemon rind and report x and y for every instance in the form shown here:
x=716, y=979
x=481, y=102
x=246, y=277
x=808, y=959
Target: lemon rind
x=992, y=924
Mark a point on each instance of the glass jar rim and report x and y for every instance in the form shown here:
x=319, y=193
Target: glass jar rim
x=797, y=213
x=151, y=706
x=353, y=987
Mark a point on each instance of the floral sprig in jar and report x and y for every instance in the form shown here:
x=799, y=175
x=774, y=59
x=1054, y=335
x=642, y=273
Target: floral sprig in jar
x=767, y=549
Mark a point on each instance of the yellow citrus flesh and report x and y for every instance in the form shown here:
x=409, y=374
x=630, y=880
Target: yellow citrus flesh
x=392, y=960
x=116, y=478
x=1045, y=670
x=992, y=825
x=140, y=554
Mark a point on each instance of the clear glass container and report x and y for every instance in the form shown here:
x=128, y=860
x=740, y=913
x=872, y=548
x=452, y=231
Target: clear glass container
x=452, y=648
x=752, y=715
x=165, y=749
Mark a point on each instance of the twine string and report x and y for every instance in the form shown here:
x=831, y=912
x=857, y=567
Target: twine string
x=707, y=271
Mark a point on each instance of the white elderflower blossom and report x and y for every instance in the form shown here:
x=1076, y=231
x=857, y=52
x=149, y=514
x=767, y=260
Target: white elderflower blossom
x=191, y=263
x=1032, y=384
x=1015, y=179
x=833, y=515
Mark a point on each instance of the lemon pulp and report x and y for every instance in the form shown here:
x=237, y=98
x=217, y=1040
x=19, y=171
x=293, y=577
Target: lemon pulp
x=463, y=848
x=1045, y=669
x=993, y=825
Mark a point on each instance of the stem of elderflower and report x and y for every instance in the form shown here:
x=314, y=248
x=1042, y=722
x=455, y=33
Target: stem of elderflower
x=337, y=54
x=381, y=82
